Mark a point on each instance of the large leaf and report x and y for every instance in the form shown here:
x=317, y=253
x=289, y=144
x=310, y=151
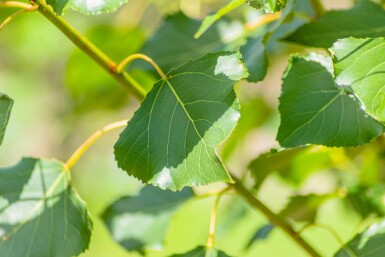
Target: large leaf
x=369, y=243
x=141, y=222
x=173, y=43
x=202, y=251
x=41, y=215
x=170, y=142
x=359, y=66
x=5, y=110
x=314, y=111
x=268, y=5
x=94, y=7
x=366, y=19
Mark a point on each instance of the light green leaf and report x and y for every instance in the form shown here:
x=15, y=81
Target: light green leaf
x=369, y=243
x=57, y=5
x=335, y=25
x=95, y=7
x=314, y=111
x=170, y=142
x=202, y=251
x=268, y=6
x=40, y=213
x=5, y=110
x=359, y=66
x=141, y=222
x=211, y=19
x=173, y=43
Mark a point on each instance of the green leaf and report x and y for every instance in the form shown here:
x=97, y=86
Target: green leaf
x=335, y=25
x=170, y=142
x=211, y=19
x=314, y=111
x=358, y=67
x=173, y=43
x=5, y=110
x=255, y=57
x=57, y=5
x=141, y=222
x=40, y=213
x=369, y=243
x=95, y=7
x=202, y=251
x=268, y=6
x=261, y=234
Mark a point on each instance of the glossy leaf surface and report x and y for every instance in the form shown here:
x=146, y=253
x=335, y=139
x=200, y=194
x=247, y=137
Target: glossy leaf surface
x=5, y=110
x=314, y=111
x=40, y=213
x=170, y=142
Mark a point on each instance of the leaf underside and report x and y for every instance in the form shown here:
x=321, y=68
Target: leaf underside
x=314, y=111
x=170, y=142
x=41, y=215
x=5, y=110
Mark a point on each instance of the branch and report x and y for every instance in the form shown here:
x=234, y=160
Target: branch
x=92, y=51
x=274, y=218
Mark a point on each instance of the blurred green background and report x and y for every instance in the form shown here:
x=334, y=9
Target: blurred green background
x=61, y=97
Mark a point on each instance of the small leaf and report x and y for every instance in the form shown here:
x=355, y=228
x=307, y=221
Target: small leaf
x=369, y=243
x=255, y=57
x=358, y=66
x=261, y=234
x=5, y=110
x=314, y=111
x=335, y=25
x=57, y=5
x=173, y=43
x=268, y=6
x=95, y=7
x=40, y=213
x=170, y=142
x=211, y=19
x=141, y=222
x=202, y=251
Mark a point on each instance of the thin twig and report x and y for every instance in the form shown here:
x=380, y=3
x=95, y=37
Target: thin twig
x=144, y=57
x=27, y=8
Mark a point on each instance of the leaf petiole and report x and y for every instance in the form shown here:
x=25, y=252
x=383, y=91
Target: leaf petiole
x=25, y=8
x=144, y=57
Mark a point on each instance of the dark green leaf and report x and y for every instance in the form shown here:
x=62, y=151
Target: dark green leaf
x=366, y=19
x=170, y=142
x=255, y=57
x=369, y=243
x=95, y=7
x=173, y=43
x=261, y=234
x=57, y=5
x=314, y=111
x=5, y=110
x=141, y=222
x=359, y=66
x=202, y=251
x=40, y=213
x=268, y=5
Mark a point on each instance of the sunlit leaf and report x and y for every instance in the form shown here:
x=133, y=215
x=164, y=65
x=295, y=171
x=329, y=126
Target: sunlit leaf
x=95, y=7
x=314, y=111
x=170, y=142
x=369, y=243
x=359, y=67
x=40, y=213
x=202, y=251
x=268, y=5
x=5, y=110
x=366, y=19
x=141, y=222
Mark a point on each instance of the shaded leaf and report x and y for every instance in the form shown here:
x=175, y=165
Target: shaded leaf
x=40, y=213
x=6, y=104
x=173, y=43
x=93, y=7
x=359, y=67
x=268, y=5
x=369, y=243
x=57, y=5
x=314, y=111
x=335, y=25
x=261, y=234
x=170, y=142
x=202, y=251
x=255, y=57
x=141, y=222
